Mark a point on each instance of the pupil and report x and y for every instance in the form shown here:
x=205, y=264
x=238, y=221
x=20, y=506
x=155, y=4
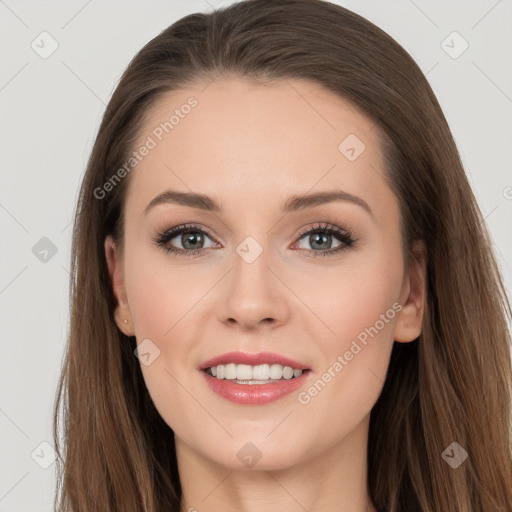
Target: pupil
x=326, y=240
x=190, y=238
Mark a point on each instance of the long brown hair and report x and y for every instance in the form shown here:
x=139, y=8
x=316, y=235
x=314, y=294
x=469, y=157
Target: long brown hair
x=451, y=385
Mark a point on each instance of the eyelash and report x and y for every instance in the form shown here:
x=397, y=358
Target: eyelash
x=344, y=235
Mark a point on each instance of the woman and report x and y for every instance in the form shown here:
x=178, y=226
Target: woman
x=215, y=361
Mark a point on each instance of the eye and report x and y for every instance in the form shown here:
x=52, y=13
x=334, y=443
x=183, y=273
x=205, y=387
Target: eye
x=190, y=237
x=191, y=240
x=320, y=238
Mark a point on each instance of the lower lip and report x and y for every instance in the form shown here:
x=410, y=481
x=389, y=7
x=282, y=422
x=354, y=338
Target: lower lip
x=255, y=394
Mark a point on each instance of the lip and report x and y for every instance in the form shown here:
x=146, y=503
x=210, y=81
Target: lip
x=253, y=360
x=255, y=394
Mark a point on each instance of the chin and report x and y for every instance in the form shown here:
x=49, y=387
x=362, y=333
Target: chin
x=257, y=455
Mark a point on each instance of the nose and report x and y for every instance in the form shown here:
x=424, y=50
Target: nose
x=255, y=295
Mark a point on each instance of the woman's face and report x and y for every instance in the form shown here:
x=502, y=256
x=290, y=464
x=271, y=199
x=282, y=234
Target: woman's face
x=331, y=301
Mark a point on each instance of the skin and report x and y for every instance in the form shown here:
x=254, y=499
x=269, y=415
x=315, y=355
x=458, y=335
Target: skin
x=251, y=147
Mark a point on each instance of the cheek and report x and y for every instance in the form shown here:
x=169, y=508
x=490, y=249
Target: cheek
x=161, y=301
x=160, y=292
x=358, y=307
x=347, y=299
x=166, y=302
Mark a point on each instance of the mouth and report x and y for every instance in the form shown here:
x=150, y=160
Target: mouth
x=254, y=375
x=254, y=378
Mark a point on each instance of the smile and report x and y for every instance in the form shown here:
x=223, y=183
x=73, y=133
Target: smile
x=248, y=374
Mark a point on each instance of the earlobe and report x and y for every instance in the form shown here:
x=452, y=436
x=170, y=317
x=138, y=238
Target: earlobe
x=115, y=269
x=409, y=320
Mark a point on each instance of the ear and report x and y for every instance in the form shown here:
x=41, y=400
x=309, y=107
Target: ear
x=115, y=269
x=413, y=296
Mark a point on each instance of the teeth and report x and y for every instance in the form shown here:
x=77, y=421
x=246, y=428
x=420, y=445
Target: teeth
x=246, y=372
x=261, y=372
x=243, y=371
x=230, y=371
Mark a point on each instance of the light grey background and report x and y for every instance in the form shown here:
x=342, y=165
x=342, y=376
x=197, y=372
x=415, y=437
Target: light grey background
x=50, y=111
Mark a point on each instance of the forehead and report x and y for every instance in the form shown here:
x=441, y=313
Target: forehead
x=243, y=141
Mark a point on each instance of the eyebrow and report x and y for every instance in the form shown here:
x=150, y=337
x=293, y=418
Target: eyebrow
x=294, y=203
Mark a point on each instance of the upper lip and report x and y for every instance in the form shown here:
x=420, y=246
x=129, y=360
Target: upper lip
x=252, y=359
